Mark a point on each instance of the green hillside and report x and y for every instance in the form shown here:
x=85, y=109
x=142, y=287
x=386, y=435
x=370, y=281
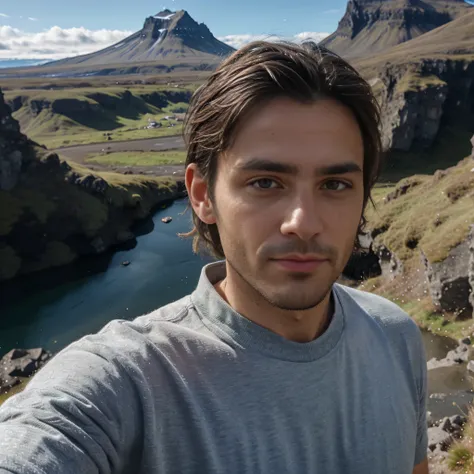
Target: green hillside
x=71, y=116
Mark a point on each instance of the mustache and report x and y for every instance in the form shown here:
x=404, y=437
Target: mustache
x=299, y=247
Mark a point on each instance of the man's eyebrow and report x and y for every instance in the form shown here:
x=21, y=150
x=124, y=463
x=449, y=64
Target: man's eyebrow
x=339, y=168
x=263, y=164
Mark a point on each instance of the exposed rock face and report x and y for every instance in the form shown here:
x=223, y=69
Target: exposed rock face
x=13, y=148
x=20, y=363
x=417, y=99
x=371, y=26
x=449, y=282
x=51, y=214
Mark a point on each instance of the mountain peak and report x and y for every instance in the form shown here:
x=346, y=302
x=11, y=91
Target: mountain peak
x=170, y=35
x=370, y=26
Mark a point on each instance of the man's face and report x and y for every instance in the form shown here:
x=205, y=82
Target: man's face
x=288, y=200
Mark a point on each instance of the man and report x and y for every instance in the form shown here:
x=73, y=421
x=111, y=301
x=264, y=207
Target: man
x=269, y=366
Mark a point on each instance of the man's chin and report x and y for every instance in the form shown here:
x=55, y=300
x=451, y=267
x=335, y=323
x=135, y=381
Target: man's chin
x=294, y=297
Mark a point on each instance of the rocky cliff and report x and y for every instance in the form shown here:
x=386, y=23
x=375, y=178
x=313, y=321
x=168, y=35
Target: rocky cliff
x=425, y=85
x=372, y=26
x=423, y=236
x=52, y=212
x=417, y=100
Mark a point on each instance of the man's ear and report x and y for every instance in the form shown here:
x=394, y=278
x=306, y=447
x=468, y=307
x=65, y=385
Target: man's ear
x=198, y=193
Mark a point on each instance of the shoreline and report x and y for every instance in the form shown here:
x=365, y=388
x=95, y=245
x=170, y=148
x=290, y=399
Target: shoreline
x=15, y=288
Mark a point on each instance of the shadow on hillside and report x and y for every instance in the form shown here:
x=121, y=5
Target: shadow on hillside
x=452, y=145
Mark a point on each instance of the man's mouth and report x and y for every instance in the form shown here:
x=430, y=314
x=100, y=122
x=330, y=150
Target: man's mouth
x=300, y=263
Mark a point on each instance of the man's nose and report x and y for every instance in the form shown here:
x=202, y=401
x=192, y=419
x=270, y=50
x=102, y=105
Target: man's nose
x=303, y=216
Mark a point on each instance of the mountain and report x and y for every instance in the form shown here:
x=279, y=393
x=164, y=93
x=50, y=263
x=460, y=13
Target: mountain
x=424, y=87
x=371, y=26
x=167, y=35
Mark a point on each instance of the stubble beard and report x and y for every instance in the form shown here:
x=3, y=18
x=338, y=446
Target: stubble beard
x=288, y=299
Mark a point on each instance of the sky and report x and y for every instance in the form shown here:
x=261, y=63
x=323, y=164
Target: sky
x=63, y=28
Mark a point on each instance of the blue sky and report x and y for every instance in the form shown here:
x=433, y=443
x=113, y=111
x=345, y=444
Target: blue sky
x=57, y=28
x=280, y=17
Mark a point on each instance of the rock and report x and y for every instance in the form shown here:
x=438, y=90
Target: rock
x=436, y=364
x=126, y=263
x=439, y=438
x=466, y=341
x=167, y=219
x=24, y=368
x=470, y=366
x=390, y=264
x=402, y=188
x=362, y=264
x=15, y=354
x=429, y=419
x=445, y=424
x=20, y=363
x=65, y=166
x=457, y=420
x=52, y=159
x=438, y=396
x=448, y=282
x=456, y=356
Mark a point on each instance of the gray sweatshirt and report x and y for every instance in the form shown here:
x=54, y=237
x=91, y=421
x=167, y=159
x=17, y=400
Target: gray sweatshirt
x=194, y=387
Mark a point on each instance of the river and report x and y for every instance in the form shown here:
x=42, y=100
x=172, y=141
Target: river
x=63, y=305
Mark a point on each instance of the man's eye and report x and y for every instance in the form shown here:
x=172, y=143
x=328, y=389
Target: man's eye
x=264, y=183
x=336, y=185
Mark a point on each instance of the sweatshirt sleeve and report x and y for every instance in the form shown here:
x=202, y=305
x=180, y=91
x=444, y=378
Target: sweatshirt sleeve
x=79, y=414
x=422, y=428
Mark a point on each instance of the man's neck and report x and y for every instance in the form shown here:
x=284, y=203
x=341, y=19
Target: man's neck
x=297, y=326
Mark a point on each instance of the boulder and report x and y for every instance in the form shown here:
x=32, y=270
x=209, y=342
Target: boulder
x=448, y=281
x=470, y=366
x=458, y=420
x=438, y=438
x=20, y=363
x=459, y=355
x=390, y=264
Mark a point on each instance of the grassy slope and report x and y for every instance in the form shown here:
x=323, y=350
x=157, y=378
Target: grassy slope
x=124, y=121
x=438, y=212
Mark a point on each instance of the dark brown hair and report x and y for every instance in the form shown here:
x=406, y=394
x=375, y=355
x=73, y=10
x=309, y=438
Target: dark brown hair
x=259, y=72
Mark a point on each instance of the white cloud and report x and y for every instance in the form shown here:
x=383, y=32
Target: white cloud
x=238, y=41
x=4, y=15
x=55, y=43
x=311, y=35
x=32, y=19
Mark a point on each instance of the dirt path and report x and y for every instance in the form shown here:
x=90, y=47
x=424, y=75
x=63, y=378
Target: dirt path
x=80, y=152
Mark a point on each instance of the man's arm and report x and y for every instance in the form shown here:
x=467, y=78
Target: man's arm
x=79, y=414
x=421, y=461
x=422, y=468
